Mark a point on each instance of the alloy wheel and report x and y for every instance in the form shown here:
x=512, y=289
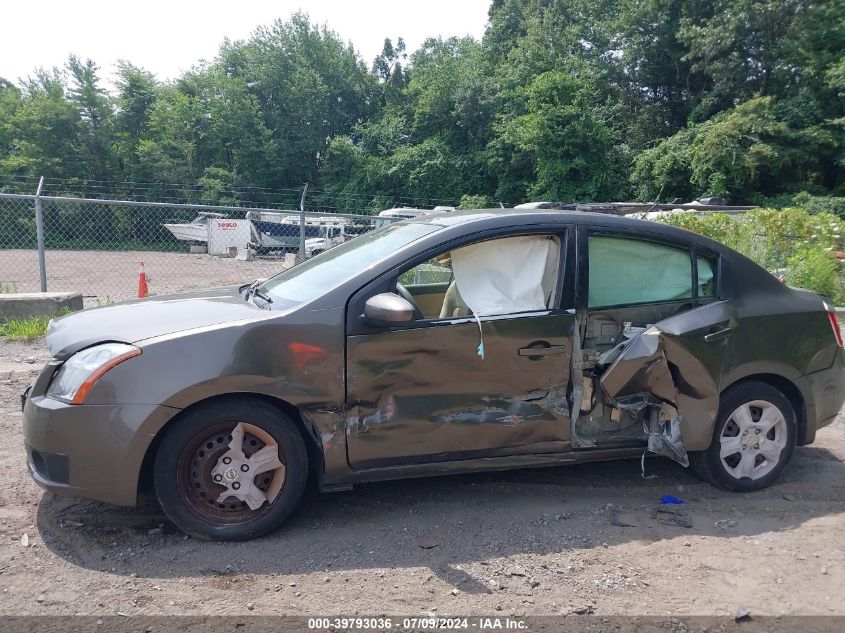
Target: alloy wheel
x=753, y=439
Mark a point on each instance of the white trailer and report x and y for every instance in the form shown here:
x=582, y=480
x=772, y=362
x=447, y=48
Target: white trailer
x=227, y=236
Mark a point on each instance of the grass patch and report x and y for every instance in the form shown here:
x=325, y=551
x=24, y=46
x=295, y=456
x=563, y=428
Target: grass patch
x=27, y=328
x=8, y=287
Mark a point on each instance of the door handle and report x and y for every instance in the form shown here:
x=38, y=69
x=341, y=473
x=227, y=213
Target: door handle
x=541, y=351
x=717, y=336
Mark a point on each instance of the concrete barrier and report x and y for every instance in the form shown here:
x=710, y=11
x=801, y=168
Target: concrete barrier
x=26, y=304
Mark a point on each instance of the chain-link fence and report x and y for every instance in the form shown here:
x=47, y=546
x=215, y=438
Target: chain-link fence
x=96, y=247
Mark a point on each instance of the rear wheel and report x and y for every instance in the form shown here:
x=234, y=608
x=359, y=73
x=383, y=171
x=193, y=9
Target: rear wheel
x=231, y=470
x=753, y=439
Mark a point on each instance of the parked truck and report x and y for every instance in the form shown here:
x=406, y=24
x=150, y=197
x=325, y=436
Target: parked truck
x=279, y=232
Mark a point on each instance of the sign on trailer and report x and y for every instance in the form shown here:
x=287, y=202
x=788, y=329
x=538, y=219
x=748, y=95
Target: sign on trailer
x=225, y=234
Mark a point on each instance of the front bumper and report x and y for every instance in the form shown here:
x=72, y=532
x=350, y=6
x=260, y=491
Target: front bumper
x=90, y=451
x=824, y=394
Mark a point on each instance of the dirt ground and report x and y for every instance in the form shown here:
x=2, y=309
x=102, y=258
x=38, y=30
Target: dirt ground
x=529, y=542
x=106, y=276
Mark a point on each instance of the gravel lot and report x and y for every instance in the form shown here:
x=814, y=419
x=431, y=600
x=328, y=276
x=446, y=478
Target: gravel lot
x=527, y=542
x=103, y=276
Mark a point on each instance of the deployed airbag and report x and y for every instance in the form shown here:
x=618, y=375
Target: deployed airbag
x=624, y=271
x=508, y=275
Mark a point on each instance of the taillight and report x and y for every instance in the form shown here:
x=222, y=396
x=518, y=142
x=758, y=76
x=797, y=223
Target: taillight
x=831, y=314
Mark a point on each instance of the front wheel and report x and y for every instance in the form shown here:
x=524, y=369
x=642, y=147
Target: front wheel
x=753, y=439
x=231, y=470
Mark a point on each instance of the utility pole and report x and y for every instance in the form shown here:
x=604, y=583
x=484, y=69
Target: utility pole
x=302, y=224
x=39, y=233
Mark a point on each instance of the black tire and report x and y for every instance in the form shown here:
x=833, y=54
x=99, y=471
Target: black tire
x=708, y=465
x=177, y=444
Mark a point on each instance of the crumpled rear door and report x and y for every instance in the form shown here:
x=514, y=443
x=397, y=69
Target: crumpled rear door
x=674, y=369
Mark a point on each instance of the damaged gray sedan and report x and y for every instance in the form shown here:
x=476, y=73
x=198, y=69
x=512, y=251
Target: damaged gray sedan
x=467, y=341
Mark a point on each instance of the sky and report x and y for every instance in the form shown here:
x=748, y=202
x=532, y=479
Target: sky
x=167, y=37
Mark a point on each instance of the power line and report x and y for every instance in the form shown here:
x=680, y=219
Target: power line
x=244, y=195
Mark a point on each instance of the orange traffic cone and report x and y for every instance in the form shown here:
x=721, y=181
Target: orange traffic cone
x=143, y=288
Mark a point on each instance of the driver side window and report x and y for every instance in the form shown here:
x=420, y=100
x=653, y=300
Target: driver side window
x=429, y=283
x=496, y=277
x=436, y=270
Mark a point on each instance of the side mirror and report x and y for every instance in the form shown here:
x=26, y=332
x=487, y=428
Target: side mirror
x=388, y=309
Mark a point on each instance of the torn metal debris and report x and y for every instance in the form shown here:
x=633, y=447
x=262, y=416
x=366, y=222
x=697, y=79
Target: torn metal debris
x=642, y=387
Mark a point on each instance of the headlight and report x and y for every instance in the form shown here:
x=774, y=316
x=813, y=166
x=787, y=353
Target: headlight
x=78, y=374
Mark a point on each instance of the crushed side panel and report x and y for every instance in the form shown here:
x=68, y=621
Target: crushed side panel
x=668, y=376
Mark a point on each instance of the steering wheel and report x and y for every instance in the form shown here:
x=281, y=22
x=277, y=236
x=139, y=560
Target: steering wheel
x=402, y=291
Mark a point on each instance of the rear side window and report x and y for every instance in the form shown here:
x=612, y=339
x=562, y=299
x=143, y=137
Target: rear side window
x=625, y=271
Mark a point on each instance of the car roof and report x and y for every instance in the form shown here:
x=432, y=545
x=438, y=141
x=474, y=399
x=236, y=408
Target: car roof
x=460, y=216
x=503, y=217
x=746, y=275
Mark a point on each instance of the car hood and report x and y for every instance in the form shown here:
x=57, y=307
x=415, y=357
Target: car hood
x=134, y=321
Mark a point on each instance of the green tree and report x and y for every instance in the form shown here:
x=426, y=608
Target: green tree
x=168, y=150
x=738, y=152
x=753, y=48
x=660, y=85
x=474, y=202
x=42, y=131
x=309, y=86
x=389, y=69
x=561, y=99
x=137, y=90
x=95, y=122
x=570, y=145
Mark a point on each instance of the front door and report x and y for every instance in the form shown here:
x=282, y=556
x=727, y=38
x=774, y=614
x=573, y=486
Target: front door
x=457, y=387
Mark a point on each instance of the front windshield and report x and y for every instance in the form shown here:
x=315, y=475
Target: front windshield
x=319, y=274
